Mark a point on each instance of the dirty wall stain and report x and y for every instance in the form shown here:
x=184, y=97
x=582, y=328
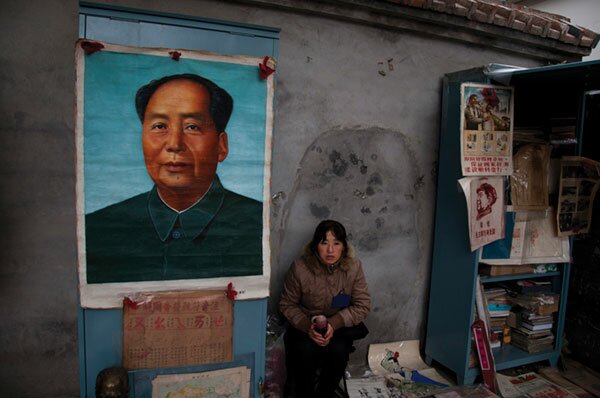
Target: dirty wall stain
x=370, y=180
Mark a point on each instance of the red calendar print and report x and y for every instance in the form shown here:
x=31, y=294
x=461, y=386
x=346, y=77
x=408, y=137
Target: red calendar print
x=171, y=329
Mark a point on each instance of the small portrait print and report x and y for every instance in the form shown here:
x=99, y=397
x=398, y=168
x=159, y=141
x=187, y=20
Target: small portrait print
x=471, y=141
x=571, y=172
x=502, y=141
x=565, y=221
x=586, y=187
x=589, y=171
x=488, y=142
x=487, y=146
x=486, y=197
x=583, y=204
x=567, y=206
x=569, y=191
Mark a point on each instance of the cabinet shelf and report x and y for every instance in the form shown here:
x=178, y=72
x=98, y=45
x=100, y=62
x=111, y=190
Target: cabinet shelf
x=504, y=278
x=509, y=356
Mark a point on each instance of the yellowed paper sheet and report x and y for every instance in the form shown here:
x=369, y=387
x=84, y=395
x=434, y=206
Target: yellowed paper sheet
x=534, y=241
x=529, y=181
x=530, y=385
x=177, y=329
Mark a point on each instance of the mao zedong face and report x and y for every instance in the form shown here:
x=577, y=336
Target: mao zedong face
x=181, y=143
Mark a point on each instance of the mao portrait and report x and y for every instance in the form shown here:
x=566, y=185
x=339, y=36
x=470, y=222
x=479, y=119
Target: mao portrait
x=188, y=224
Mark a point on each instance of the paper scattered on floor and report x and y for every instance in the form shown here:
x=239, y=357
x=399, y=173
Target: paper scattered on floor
x=478, y=391
x=398, y=371
x=530, y=385
x=383, y=358
x=367, y=387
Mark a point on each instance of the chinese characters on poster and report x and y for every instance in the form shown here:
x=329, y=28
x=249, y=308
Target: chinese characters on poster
x=485, y=204
x=177, y=329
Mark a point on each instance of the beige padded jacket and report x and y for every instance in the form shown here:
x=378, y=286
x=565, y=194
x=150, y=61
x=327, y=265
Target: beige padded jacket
x=310, y=286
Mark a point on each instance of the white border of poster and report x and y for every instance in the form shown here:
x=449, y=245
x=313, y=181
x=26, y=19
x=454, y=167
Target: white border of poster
x=110, y=295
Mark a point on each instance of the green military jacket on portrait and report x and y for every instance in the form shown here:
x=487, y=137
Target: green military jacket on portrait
x=142, y=239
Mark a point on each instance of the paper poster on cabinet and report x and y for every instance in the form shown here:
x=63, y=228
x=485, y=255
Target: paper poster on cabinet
x=534, y=241
x=579, y=181
x=485, y=208
x=173, y=171
x=486, y=129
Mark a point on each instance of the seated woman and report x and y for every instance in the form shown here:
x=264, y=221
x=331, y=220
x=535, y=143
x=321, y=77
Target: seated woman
x=328, y=281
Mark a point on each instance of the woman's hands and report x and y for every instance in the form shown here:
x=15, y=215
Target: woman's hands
x=318, y=338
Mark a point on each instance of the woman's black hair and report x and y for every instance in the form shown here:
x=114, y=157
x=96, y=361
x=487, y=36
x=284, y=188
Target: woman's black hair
x=336, y=228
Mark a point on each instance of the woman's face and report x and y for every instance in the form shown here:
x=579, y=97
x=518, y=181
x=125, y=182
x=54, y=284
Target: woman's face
x=330, y=249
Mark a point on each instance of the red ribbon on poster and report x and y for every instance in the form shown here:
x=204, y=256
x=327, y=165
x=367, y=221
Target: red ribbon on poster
x=130, y=303
x=267, y=66
x=89, y=46
x=231, y=293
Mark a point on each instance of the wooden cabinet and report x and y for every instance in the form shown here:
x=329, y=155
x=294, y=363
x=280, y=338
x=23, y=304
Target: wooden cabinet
x=540, y=95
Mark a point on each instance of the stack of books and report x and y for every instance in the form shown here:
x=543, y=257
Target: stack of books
x=499, y=308
x=533, y=332
x=533, y=321
x=531, y=286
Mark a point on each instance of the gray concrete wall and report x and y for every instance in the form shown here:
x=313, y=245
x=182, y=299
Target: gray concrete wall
x=38, y=290
x=356, y=136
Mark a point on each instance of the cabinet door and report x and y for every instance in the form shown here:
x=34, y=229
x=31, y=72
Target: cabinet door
x=100, y=331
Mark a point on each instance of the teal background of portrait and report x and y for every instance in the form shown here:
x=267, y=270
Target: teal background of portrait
x=114, y=167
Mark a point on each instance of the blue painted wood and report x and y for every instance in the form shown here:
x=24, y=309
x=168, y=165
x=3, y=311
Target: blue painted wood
x=103, y=343
x=119, y=25
x=132, y=14
x=100, y=331
x=454, y=266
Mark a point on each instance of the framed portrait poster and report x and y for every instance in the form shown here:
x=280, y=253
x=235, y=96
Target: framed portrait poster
x=173, y=171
